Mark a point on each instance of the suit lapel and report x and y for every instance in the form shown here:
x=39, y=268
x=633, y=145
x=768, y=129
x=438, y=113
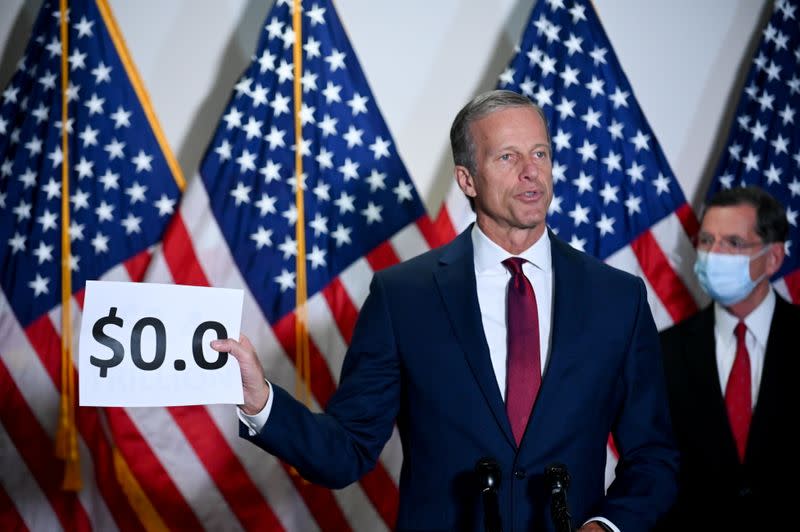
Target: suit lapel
x=456, y=281
x=775, y=370
x=705, y=387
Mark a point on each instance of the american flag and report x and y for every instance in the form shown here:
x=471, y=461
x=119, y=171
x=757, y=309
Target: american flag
x=763, y=147
x=236, y=228
x=615, y=196
x=123, y=189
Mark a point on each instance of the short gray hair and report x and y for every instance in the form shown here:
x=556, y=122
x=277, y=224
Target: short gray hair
x=461, y=141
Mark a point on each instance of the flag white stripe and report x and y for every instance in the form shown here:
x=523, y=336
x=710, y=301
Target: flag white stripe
x=679, y=250
x=29, y=500
x=356, y=279
x=409, y=242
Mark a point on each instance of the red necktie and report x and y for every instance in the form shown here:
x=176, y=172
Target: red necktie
x=737, y=393
x=523, y=366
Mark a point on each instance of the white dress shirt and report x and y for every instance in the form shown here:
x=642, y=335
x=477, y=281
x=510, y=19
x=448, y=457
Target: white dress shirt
x=758, y=324
x=492, y=284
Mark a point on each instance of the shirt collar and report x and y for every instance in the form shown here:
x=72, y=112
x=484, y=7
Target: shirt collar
x=489, y=256
x=758, y=322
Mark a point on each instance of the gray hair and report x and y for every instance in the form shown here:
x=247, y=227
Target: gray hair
x=461, y=141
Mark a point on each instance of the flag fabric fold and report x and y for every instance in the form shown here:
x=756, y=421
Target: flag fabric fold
x=763, y=146
x=123, y=186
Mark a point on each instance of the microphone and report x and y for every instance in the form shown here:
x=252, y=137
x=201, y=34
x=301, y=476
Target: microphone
x=557, y=479
x=488, y=473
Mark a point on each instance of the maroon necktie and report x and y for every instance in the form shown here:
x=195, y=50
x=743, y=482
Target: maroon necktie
x=737, y=393
x=523, y=366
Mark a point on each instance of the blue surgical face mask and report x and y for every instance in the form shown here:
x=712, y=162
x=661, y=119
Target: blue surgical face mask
x=725, y=277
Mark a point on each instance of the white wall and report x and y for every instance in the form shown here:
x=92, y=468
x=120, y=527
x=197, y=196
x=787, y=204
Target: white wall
x=425, y=58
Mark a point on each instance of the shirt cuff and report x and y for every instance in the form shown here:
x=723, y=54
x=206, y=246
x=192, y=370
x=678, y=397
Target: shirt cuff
x=257, y=421
x=603, y=521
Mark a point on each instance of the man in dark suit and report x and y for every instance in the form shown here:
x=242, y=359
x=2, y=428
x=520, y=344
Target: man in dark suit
x=505, y=343
x=731, y=373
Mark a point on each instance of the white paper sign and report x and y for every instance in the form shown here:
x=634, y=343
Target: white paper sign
x=147, y=344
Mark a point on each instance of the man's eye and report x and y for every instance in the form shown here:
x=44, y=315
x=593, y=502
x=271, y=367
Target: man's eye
x=505, y=157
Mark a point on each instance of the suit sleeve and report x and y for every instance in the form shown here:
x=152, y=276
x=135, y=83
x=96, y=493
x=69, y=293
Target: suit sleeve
x=645, y=482
x=337, y=447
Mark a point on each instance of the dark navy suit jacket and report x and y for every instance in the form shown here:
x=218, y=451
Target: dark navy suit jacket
x=419, y=357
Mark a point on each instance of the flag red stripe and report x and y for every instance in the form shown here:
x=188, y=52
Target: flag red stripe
x=180, y=256
x=382, y=491
x=137, y=265
x=688, y=220
x=792, y=281
x=44, y=339
x=344, y=311
x=37, y=449
x=224, y=468
x=320, y=501
x=10, y=520
x=382, y=257
x=665, y=282
x=438, y=232
x=151, y=475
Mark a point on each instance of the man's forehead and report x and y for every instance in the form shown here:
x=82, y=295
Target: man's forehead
x=730, y=219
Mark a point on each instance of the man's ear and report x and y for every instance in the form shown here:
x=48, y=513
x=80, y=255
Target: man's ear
x=775, y=257
x=465, y=181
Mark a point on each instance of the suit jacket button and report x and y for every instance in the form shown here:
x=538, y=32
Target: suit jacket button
x=519, y=474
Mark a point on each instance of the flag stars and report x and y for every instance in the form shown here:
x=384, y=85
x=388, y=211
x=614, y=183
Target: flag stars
x=635, y=172
x=77, y=60
x=605, y=225
x=794, y=83
x=633, y=204
x=104, y=212
x=543, y=96
x=288, y=248
x=322, y=191
x=100, y=243
x=561, y=139
x=335, y=60
x=596, y=86
x=619, y=98
x=328, y=125
x=17, y=242
x=640, y=140
x=233, y=118
x=559, y=172
x=403, y=191
x=121, y=118
x=84, y=27
x=573, y=44
x=345, y=202
x=280, y=104
x=579, y=214
x=267, y=61
x=22, y=210
x=578, y=243
x=259, y=95
x=275, y=138
x=28, y=179
x=142, y=161
x=751, y=161
x=358, y=104
x=132, y=224
x=39, y=285
x=774, y=70
x=353, y=136
x=290, y=214
x=52, y=189
x=115, y=149
x=48, y=220
x=592, y=118
x=312, y=48
x=787, y=115
x=548, y=65
x=80, y=200
x=661, y=183
x=34, y=146
x=376, y=180
x=583, y=182
x=262, y=237
x=759, y=131
x=48, y=81
x=266, y=205
x=307, y=114
x=341, y=235
x=372, y=213
x=791, y=216
x=349, y=169
x=570, y=76
x=288, y=37
x=612, y=162
x=316, y=257
x=765, y=101
x=43, y=253
x=54, y=47
x=794, y=187
x=598, y=55
x=507, y=77
x=380, y=148
x=285, y=280
x=316, y=15
x=587, y=150
x=773, y=174
x=319, y=224
x=101, y=73
x=165, y=205
x=332, y=93
x=780, y=144
x=41, y=113
x=271, y=171
x=241, y=193
x=84, y=168
x=10, y=94
x=285, y=71
x=253, y=128
x=88, y=136
x=136, y=192
x=324, y=158
x=565, y=108
x=555, y=205
x=246, y=161
x=274, y=28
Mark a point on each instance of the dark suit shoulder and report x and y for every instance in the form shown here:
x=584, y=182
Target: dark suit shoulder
x=697, y=323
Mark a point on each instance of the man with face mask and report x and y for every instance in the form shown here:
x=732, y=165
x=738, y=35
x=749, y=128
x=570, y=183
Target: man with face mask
x=730, y=374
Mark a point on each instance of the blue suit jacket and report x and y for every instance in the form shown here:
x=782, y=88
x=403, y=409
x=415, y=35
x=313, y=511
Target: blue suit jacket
x=419, y=357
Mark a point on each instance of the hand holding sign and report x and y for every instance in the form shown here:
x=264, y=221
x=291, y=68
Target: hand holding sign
x=130, y=330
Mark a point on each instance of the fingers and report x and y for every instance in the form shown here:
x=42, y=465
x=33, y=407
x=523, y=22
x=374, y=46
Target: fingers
x=237, y=349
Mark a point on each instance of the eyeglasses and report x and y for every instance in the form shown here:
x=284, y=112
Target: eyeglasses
x=729, y=244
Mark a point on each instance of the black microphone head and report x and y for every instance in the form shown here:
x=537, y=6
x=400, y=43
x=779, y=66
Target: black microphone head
x=488, y=471
x=556, y=474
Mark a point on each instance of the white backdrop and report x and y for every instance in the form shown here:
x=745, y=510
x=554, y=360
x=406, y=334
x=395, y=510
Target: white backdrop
x=424, y=59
